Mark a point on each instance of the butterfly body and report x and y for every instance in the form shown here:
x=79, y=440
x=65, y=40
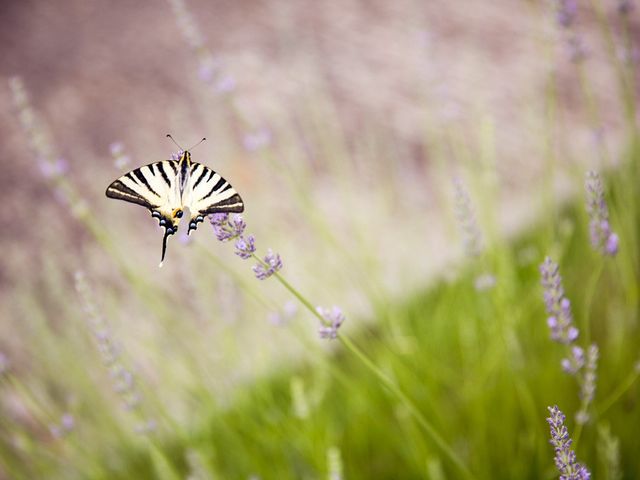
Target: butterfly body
x=166, y=188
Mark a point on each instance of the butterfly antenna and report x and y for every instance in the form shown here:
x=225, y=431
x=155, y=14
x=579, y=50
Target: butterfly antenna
x=203, y=139
x=178, y=145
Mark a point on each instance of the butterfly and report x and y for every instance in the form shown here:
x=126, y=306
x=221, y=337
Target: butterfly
x=169, y=187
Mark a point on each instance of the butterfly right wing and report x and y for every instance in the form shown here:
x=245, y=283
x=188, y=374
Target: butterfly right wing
x=208, y=192
x=155, y=187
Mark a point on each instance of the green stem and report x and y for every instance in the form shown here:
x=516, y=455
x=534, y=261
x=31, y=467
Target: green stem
x=591, y=287
x=385, y=379
x=618, y=392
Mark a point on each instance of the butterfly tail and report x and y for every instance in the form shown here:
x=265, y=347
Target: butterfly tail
x=168, y=231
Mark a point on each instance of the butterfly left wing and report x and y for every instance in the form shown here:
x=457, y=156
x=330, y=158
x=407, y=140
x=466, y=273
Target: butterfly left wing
x=155, y=187
x=207, y=193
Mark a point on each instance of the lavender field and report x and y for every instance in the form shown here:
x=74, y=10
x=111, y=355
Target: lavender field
x=435, y=275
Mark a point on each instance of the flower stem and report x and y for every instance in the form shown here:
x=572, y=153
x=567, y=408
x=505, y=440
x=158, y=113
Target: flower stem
x=387, y=381
x=618, y=392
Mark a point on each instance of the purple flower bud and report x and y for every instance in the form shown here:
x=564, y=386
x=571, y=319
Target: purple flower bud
x=116, y=148
x=560, y=320
x=485, y=282
x=67, y=422
x=603, y=239
x=226, y=84
x=611, y=247
x=575, y=362
x=226, y=228
x=334, y=319
x=146, y=427
x=566, y=12
x=565, y=458
x=273, y=264
x=207, y=69
x=472, y=238
x=218, y=218
x=245, y=247
x=53, y=169
x=255, y=140
x=588, y=387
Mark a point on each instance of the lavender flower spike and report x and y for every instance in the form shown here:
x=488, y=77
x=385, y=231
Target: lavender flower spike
x=575, y=362
x=245, y=247
x=334, y=318
x=227, y=228
x=588, y=388
x=272, y=263
x=560, y=319
x=471, y=235
x=603, y=238
x=566, y=12
x=565, y=458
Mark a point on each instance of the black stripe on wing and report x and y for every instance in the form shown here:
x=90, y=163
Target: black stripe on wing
x=233, y=204
x=120, y=191
x=146, y=185
x=212, y=193
x=140, y=176
x=215, y=188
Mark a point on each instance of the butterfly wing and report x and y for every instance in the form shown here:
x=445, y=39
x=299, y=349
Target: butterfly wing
x=155, y=187
x=207, y=193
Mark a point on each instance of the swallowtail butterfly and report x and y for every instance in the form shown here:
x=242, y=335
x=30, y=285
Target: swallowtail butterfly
x=166, y=188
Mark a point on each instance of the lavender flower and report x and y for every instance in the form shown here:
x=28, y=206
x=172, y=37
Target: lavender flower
x=565, y=458
x=146, y=427
x=472, y=238
x=560, y=319
x=123, y=379
x=255, y=140
x=121, y=160
x=207, y=69
x=334, y=319
x=227, y=228
x=53, y=169
x=588, y=388
x=483, y=282
x=602, y=238
x=575, y=362
x=176, y=156
x=245, y=247
x=566, y=12
x=609, y=450
x=187, y=25
x=35, y=130
x=225, y=84
x=288, y=311
x=271, y=264
x=66, y=425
